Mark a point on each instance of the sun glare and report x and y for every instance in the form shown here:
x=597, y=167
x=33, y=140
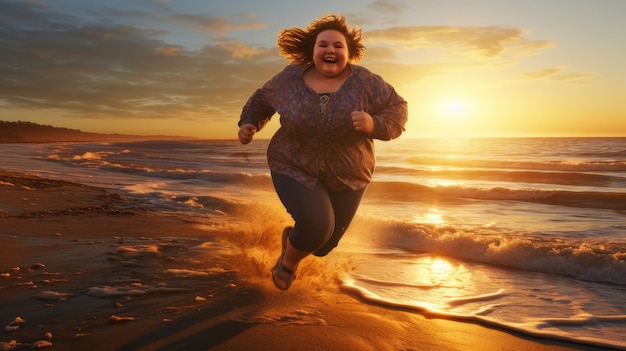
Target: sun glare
x=455, y=108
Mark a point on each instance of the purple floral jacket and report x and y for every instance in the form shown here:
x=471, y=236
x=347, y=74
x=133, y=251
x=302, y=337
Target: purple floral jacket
x=316, y=140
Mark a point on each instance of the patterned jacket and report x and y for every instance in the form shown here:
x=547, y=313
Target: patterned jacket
x=316, y=140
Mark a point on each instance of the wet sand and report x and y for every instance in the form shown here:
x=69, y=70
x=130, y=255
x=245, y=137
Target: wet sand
x=83, y=268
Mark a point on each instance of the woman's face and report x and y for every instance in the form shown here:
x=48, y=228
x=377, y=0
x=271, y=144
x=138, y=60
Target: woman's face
x=330, y=54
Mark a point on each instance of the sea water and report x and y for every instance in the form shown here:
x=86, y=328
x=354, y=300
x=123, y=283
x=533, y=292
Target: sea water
x=526, y=234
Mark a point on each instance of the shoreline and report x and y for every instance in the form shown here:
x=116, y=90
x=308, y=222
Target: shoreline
x=172, y=287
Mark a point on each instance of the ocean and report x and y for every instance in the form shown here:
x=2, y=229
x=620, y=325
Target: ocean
x=524, y=234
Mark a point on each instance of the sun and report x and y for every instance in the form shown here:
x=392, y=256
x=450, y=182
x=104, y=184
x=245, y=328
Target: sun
x=454, y=108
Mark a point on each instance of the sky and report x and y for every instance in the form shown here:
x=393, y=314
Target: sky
x=483, y=68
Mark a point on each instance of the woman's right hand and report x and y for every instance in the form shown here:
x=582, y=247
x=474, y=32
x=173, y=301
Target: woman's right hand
x=246, y=132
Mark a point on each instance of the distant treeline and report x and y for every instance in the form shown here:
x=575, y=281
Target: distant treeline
x=28, y=132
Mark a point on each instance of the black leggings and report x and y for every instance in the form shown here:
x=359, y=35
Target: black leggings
x=322, y=216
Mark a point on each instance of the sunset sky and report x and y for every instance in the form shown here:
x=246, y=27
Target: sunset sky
x=186, y=67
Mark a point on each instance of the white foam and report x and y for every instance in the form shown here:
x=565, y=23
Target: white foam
x=531, y=303
x=139, y=249
x=133, y=289
x=89, y=156
x=54, y=296
x=113, y=291
x=186, y=273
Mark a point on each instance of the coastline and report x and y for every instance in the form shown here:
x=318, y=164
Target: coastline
x=105, y=256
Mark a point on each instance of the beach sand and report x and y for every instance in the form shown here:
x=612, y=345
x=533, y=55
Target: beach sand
x=83, y=268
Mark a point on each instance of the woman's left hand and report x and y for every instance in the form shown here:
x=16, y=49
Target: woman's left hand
x=362, y=122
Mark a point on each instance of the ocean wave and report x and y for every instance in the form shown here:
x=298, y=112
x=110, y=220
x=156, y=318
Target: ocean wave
x=570, y=165
x=403, y=191
x=102, y=160
x=512, y=176
x=598, y=262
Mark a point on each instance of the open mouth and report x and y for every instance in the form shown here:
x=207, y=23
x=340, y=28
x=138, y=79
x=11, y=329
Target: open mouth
x=330, y=60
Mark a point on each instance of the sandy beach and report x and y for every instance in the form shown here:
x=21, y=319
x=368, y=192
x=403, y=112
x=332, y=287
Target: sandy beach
x=84, y=268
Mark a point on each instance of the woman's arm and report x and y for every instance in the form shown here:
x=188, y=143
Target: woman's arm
x=257, y=111
x=389, y=122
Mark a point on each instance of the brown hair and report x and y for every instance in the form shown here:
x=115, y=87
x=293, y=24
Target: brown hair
x=297, y=44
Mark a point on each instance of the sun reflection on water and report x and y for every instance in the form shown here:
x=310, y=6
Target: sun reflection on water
x=443, y=183
x=440, y=269
x=449, y=282
x=427, y=282
x=432, y=216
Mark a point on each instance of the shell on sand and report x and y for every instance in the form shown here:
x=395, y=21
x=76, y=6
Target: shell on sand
x=15, y=324
x=41, y=344
x=118, y=319
x=6, y=346
x=37, y=265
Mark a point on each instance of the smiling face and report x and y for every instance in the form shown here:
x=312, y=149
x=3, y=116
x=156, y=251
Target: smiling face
x=330, y=54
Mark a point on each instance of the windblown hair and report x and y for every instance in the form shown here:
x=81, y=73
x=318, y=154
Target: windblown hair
x=297, y=44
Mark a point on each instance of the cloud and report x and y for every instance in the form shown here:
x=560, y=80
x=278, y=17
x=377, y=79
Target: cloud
x=457, y=48
x=557, y=75
x=490, y=42
x=464, y=48
x=379, y=12
x=160, y=12
x=245, y=52
x=389, y=7
x=217, y=25
x=56, y=62
x=102, y=67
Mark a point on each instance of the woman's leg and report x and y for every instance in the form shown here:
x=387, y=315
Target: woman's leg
x=313, y=214
x=345, y=205
x=311, y=210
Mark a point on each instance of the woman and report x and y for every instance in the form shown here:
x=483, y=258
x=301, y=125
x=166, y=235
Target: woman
x=322, y=157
